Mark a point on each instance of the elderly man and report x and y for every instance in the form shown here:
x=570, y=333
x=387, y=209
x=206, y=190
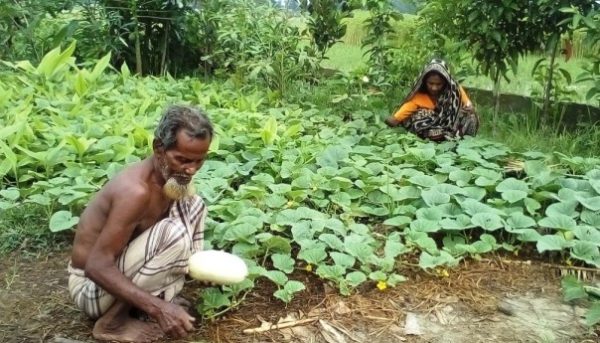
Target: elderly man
x=134, y=238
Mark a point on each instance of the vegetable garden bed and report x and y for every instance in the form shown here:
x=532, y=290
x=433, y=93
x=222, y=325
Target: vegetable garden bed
x=294, y=189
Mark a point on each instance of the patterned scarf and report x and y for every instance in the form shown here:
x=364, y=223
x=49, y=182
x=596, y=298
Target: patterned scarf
x=443, y=119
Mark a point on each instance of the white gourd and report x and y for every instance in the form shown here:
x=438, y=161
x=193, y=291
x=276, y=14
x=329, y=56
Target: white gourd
x=218, y=267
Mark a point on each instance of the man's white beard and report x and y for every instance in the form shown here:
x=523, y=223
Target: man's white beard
x=176, y=191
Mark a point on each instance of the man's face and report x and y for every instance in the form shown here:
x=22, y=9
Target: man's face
x=179, y=164
x=435, y=84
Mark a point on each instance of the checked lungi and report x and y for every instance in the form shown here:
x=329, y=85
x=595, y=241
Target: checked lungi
x=156, y=260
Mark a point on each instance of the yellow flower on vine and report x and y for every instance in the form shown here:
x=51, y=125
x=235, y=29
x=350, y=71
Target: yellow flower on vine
x=308, y=268
x=382, y=285
x=443, y=272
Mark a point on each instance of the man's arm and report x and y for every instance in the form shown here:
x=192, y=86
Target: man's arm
x=125, y=212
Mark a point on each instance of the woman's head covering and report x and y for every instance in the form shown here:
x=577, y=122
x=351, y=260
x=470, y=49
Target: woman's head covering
x=448, y=102
x=447, y=119
x=434, y=66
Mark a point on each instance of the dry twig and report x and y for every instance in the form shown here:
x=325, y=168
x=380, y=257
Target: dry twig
x=267, y=326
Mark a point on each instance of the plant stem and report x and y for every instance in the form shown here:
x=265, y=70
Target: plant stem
x=548, y=89
x=229, y=308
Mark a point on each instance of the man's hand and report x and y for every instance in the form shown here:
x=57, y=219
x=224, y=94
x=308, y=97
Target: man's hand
x=174, y=320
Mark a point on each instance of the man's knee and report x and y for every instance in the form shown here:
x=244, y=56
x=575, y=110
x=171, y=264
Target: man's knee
x=172, y=230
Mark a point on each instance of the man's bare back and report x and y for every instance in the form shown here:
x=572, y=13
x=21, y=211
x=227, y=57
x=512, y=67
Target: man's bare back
x=139, y=177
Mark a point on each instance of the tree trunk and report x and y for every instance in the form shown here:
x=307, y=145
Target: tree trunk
x=496, y=93
x=165, y=44
x=138, y=52
x=548, y=88
x=136, y=32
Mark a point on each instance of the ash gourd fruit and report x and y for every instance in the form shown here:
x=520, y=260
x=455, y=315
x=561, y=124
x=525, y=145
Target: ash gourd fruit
x=217, y=267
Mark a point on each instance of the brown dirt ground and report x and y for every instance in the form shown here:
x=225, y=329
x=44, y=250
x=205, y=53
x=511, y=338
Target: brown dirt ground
x=34, y=306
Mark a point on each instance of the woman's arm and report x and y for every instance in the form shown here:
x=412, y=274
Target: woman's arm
x=466, y=102
x=405, y=111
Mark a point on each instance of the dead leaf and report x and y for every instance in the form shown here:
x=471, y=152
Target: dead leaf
x=331, y=334
x=303, y=333
x=289, y=318
x=341, y=308
x=316, y=312
x=346, y=332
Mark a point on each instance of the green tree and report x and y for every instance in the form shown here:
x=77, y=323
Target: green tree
x=251, y=41
x=589, y=23
x=550, y=24
x=325, y=22
x=21, y=31
x=377, y=44
x=151, y=32
x=500, y=32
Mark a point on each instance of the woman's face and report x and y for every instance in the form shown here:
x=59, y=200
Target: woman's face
x=435, y=84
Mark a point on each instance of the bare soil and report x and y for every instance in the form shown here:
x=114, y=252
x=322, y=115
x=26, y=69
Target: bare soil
x=480, y=301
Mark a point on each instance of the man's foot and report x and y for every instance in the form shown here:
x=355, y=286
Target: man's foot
x=117, y=325
x=127, y=330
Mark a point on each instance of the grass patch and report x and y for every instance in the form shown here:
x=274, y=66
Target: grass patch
x=344, y=57
x=25, y=228
x=523, y=132
x=355, y=28
x=522, y=83
x=347, y=55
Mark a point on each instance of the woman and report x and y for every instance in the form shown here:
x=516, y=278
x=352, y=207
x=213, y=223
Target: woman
x=437, y=108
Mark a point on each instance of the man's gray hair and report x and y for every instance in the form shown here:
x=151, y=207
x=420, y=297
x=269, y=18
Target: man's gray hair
x=192, y=120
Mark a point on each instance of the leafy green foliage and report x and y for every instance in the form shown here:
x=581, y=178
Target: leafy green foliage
x=291, y=187
x=499, y=37
x=151, y=33
x=574, y=289
x=588, y=23
x=325, y=22
x=25, y=229
x=28, y=29
x=377, y=42
x=499, y=33
x=562, y=81
x=254, y=40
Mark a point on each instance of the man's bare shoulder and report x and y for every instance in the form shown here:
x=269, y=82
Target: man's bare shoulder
x=133, y=182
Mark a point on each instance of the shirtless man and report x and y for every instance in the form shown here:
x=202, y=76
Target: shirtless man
x=135, y=236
